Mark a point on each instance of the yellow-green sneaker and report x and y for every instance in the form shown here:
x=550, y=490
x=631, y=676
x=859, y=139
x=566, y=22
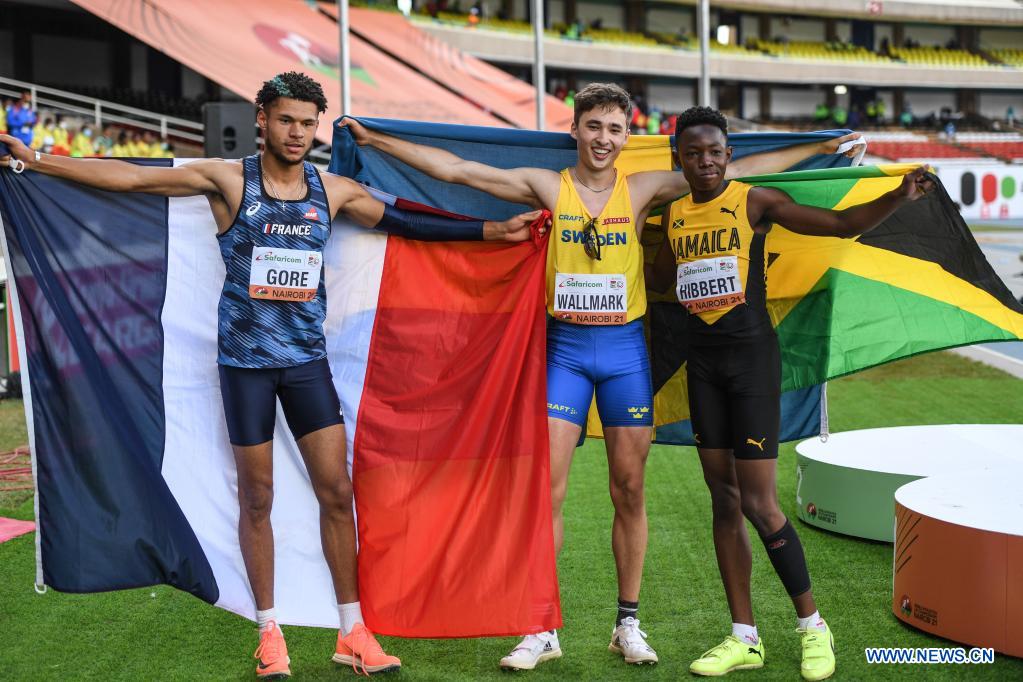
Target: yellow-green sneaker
x=818, y=653
x=731, y=654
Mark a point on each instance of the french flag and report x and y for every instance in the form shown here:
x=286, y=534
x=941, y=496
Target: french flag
x=437, y=352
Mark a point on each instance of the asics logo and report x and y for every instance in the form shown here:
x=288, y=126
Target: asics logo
x=253, y=209
x=732, y=212
x=759, y=444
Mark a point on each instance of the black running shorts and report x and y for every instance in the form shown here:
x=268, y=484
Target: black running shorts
x=735, y=396
x=307, y=396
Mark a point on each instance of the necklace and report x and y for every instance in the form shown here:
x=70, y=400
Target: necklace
x=597, y=191
x=273, y=189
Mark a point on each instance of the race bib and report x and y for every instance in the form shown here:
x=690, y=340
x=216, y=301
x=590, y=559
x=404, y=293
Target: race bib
x=591, y=299
x=709, y=284
x=284, y=274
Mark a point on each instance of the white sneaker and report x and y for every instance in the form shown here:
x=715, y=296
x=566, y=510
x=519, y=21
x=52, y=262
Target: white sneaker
x=533, y=649
x=629, y=641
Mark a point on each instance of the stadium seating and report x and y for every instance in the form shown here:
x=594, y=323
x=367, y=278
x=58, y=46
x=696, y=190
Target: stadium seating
x=1008, y=56
x=1005, y=146
x=813, y=50
x=901, y=150
x=938, y=56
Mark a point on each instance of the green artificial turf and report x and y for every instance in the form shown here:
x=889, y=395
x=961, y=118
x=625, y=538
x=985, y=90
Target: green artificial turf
x=161, y=633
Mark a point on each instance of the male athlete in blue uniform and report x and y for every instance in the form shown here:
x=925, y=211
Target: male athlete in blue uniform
x=714, y=252
x=273, y=213
x=596, y=299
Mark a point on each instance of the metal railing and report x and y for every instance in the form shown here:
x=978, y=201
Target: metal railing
x=102, y=112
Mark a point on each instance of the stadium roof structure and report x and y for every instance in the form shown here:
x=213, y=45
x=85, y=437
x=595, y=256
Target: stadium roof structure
x=241, y=43
x=988, y=12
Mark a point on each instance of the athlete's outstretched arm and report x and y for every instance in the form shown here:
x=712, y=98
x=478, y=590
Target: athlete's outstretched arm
x=517, y=185
x=656, y=188
x=352, y=199
x=120, y=176
x=769, y=205
x=783, y=159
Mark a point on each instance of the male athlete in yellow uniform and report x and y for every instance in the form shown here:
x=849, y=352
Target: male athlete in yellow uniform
x=596, y=295
x=714, y=247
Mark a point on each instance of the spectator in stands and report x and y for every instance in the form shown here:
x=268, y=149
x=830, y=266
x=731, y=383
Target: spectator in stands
x=21, y=117
x=653, y=122
x=61, y=137
x=839, y=115
x=821, y=113
x=81, y=143
x=572, y=31
x=40, y=131
x=570, y=98
x=165, y=149
x=950, y=130
x=1010, y=116
x=473, y=18
x=906, y=117
x=871, y=113
x=103, y=143
x=120, y=147
x=880, y=112
x=855, y=117
x=597, y=24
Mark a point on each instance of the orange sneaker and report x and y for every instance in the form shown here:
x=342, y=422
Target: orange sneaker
x=361, y=650
x=272, y=655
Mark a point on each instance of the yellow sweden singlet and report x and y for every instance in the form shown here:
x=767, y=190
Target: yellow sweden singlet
x=584, y=290
x=713, y=243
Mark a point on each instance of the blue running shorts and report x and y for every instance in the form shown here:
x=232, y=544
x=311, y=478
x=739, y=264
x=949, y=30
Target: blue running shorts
x=611, y=360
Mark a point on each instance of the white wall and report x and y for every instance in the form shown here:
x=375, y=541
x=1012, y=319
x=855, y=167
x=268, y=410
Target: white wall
x=1001, y=38
x=994, y=104
x=670, y=20
x=556, y=12
x=929, y=35
x=843, y=29
x=613, y=15
x=794, y=101
x=89, y=65
x=797, y=29
x=751, y=103
x=927, y=101
x=671, y=98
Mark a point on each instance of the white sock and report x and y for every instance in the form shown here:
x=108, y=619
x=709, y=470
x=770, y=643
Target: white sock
x=350, y=615
x=745, y=633
x=266, y=618
x=811, y=622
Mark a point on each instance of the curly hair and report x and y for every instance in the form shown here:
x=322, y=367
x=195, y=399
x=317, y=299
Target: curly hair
x=698, y=116
x=603, y=95
x=294, y=85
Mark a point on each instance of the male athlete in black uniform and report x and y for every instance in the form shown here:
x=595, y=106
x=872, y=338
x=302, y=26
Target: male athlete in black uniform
x=273, y=213
x=714, y=248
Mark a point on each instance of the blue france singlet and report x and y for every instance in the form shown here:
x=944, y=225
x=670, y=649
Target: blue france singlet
x=274, y=302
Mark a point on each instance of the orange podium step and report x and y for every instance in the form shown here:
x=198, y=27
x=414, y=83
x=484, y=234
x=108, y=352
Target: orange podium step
x=958, y=557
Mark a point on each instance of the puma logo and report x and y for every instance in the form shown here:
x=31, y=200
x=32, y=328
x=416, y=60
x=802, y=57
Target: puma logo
x=753, y=650
x=732, y=212
x=760, y=444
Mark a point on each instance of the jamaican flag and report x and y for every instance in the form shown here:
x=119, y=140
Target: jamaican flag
x=916, y=283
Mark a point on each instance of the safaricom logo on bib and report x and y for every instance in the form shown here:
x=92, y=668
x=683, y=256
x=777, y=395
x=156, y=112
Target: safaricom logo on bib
x=271, y=257
x=576, y=284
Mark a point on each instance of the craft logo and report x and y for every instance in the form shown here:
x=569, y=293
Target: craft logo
x=569, y=218
x=906, y=605
x=811, y=509
x=311, y=214
x=253, y=209
x=311, y=54
x=567, y=409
